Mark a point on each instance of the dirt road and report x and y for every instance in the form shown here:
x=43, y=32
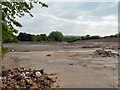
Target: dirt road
x=76, y=67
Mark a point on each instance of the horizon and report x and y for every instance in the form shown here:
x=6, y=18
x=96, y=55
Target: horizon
x=65, y=35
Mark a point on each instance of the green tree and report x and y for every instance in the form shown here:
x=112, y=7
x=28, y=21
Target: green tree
x=43, y=37
x=56, y=36
x=95, y=37
x=11, y=10
x=38, y=37
x=33, y=38
x=119, y=34
x=23, y=37
x=83, y=37
x=26, y=37
x=10, y=37
x=87, y=37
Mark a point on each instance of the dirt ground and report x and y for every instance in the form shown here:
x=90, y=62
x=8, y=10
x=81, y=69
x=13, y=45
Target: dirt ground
x=76, y=67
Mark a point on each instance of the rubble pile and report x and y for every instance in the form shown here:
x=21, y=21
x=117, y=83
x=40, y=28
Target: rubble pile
x=26, y=78
x=91, y=46
x=105, y=53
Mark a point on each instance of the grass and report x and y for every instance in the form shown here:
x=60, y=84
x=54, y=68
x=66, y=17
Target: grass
x=4, y=51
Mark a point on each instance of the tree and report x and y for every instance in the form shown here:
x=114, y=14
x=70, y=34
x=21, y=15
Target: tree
x=26, y=37
x=56, y=36
x=23, y=37
x=87, y=37
x=38, y=37
x=11, y=10
x=95, y=37
x=43, y=37
x=83, y=37
x=10, y=37
x=72, y=38
x=118, y=34
x=33, y=38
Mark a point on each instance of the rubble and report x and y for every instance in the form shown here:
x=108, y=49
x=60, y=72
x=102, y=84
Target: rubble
x=26, y=78
x=105, y=53
x=91, y=46
x=48, y=55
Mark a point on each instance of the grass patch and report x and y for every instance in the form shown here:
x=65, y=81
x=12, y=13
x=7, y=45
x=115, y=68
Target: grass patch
x=4, y=51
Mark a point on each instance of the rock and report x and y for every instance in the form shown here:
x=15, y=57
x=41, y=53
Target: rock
x=105, y=66
x=84, y=65
x=25, y=78
x=113, y=69
x=70, y=64
x=38, y=73
x=13, y=50
x=92, y=57
x=41, y=71
x=48, y=54
x=105, y=53
x=57, y=86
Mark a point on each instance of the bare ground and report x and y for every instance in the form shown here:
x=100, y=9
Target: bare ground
x=75, y=67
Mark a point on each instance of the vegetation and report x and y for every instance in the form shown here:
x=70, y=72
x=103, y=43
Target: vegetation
x=30, y=37
x=3, y=51
x=53, y=36
x=88, y=37
x=11, y=10
x=9, y=37
x=56, y=36
x=43, y=37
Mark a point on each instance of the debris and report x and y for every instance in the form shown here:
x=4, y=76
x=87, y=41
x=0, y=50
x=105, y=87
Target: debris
x=58, y=86
x=105, y=66
x=92, y=57
x=113, y=69
x=90, y=46
x=105, y=53
x=70, y=64
x=84, y=65
x=48, y=54
x=26, y=78
x=53, y=74
x=38, y=73
x=12, y=50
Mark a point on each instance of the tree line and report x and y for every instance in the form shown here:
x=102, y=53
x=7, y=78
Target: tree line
x=53, y=36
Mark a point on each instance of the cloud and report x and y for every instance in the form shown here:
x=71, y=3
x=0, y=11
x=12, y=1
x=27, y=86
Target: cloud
x=81, y=1
x=73, y=18
x=110, y=18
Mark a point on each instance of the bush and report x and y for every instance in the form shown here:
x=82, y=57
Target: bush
x=56, y=36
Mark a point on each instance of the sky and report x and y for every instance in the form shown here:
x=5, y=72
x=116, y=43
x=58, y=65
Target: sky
x=72, y=18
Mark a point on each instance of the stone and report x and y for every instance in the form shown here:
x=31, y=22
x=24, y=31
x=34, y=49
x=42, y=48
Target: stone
x=48, y=54
x=105, y=53
x=25, y=78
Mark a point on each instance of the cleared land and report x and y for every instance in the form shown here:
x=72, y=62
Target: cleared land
x=74, y=63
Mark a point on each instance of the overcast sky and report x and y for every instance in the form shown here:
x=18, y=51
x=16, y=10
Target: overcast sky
x=73, y=18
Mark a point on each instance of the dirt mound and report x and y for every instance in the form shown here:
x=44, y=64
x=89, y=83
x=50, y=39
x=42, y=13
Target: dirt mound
x=105, y=53
x=26, y=78
x=91, y=46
